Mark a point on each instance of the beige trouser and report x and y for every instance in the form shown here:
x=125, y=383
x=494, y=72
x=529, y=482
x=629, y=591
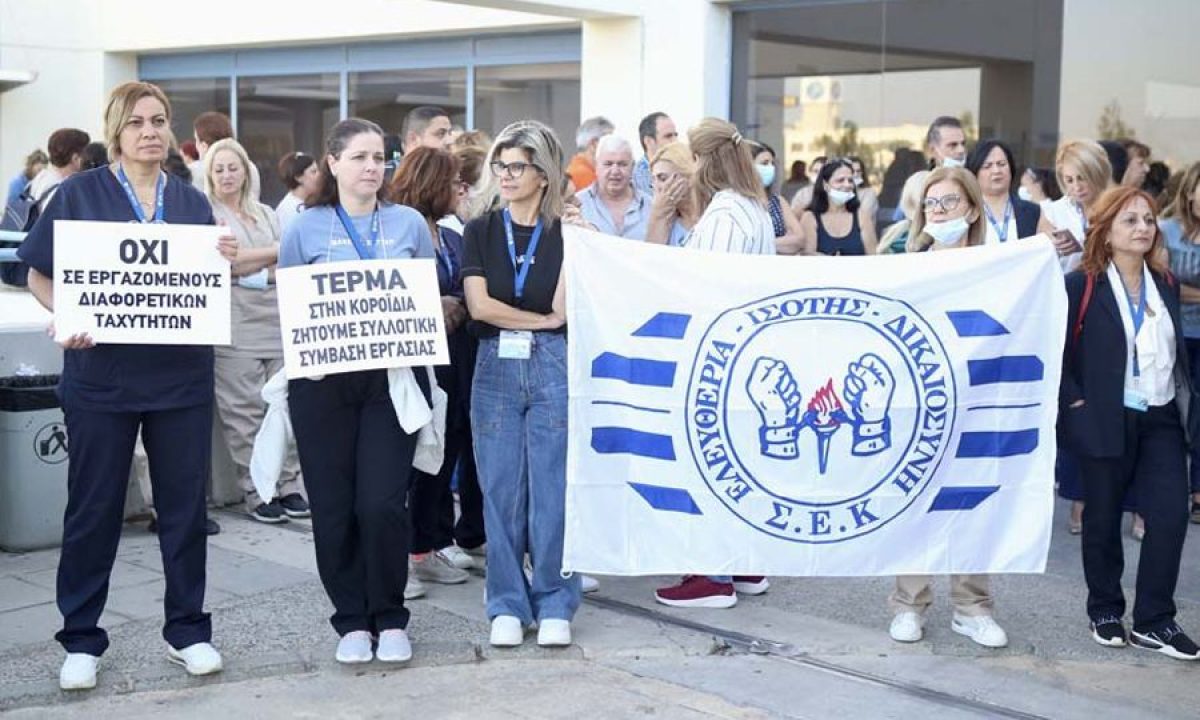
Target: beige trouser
x=240, y=408
x=970, y=594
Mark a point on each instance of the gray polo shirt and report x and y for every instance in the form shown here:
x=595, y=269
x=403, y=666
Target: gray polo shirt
x=637, y=215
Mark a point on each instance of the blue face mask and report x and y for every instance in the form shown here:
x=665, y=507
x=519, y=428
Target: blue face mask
x=767, y=173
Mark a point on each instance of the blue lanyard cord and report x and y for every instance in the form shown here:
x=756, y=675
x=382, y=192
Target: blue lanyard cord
x=1138, y=314
x=1001, y=229
x=522, y=274
x=363, y=252
x=446, y=256
x=159, y=189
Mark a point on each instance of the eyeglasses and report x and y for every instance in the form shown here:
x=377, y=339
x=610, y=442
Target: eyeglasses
x=514, y=169
x=947, y=203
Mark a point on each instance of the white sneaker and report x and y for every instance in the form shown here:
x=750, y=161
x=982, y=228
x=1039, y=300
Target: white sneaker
x=354, y=647
x=414, y=588
x=507, y=631
x=554, y=632
x=435, y=568
x=78, y=672
x=983, y=629
x=198, y=659
x=907, y=627
x=394, y=647
x=589, y=583
x=457, y=557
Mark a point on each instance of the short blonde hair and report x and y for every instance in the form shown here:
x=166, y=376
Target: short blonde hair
x=678, y=155
x=120, y=107
x=723, y=162
x=1091, y=160
x=245, y=200
x=918, y=240
x=544, y=150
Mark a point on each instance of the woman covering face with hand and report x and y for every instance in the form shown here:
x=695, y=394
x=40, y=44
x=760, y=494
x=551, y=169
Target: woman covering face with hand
x=110, y=393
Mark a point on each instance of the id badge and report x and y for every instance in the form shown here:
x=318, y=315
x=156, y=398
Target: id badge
x=515, y=344
x=1135, y=400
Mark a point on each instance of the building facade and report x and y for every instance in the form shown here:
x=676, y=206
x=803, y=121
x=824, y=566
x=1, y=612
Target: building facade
x=809, y=77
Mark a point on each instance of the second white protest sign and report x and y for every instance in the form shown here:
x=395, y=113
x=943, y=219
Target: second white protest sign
x=360, y=315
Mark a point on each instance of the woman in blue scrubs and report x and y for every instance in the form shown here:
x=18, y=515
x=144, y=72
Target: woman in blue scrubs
x=110, y=392
x=355, y=455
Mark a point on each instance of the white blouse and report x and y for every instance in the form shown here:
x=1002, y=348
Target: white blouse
x=1155, y=342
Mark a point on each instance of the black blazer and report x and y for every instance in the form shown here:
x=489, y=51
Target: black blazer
x=1028, y=214
x=1094, y=369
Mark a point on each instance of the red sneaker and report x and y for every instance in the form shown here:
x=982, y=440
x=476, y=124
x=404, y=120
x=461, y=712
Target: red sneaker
x=750, y=584
x=698, y=591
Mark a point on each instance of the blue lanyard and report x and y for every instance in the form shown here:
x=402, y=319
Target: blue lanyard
x=446, y=256
x=159, y=188
x=352, y=232
x=523, y=273
x=1002, y=229
x=1138, y=314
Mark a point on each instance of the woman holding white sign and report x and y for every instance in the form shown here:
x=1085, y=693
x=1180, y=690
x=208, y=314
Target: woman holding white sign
x=257, y=351
x=512, y=277
x=110, y=391
x=355, y=455
x=951, y=216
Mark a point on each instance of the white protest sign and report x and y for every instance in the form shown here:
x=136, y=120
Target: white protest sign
x=140, y=283
x=360, y=315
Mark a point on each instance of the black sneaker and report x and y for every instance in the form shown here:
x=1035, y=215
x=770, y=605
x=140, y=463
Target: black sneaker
x=1109, y=632
x=271, y=512
x=294, y=505
x=211, y=527
x=1170, y=641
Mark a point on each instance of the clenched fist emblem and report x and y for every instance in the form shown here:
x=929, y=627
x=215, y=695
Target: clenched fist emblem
x=775, y=394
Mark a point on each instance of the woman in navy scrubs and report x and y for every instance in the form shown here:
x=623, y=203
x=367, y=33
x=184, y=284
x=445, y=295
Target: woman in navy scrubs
x=355, y=455
x=109, y=392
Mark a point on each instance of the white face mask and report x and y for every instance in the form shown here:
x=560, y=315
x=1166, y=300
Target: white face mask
x=948, y=232
x=953, y=162
x=858, y=181
x=840, y=197
x=1024, y=194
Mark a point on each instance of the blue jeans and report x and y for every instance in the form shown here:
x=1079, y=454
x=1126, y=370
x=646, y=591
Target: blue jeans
x=519, y=422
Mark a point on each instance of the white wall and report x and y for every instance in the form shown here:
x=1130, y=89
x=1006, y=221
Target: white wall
x=1142, y=55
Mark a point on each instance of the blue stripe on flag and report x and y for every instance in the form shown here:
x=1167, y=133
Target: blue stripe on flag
x=612, y=440
x=665, y=325
x=997, y=444
x=667, y=498
x=637, y=371
x=975, y=323
x=1005, y=369
x=962, y=498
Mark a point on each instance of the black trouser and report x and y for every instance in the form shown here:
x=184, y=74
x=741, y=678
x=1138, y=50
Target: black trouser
x=100, y=449
x=432, y=500
x=1156, y=457
x=356, y=461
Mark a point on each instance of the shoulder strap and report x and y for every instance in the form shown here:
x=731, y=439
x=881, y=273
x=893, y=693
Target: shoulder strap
x=1088, y=288
x=46, y=193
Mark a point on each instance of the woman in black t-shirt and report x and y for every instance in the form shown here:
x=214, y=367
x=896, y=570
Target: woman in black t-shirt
x=512, y=278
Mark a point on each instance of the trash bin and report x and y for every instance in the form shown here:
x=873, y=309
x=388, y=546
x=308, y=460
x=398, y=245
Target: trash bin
x=33, y=463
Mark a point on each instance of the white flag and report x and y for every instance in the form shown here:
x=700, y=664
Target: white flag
x=734, y=414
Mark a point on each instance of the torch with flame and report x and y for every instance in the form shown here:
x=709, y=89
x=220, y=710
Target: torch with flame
x=825, y=415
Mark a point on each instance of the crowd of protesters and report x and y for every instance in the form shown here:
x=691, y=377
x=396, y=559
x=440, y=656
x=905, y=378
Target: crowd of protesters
x=386, y=523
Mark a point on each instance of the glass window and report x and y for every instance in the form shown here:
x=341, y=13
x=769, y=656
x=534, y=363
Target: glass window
x=867, y=77
x=548, y=92
x=386, y=97
x=191, y=96
x=279, y=114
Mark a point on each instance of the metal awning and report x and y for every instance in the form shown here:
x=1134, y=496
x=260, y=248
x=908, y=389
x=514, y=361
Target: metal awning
x=10, y=79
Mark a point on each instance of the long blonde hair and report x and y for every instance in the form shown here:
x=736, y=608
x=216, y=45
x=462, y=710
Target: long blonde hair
x=723, y=162
x=246, y=203
x=910, y=205
x=918, y=240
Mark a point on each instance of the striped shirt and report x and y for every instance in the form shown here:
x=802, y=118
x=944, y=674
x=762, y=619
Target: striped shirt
x=734, y=223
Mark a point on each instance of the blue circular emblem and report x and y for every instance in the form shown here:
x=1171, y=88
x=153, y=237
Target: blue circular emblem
x=819, y=415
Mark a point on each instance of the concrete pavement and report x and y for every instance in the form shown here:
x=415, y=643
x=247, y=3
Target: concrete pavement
x=809, y=648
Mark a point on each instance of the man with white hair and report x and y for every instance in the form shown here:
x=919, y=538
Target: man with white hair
x=582, y=168
x=612, y=204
